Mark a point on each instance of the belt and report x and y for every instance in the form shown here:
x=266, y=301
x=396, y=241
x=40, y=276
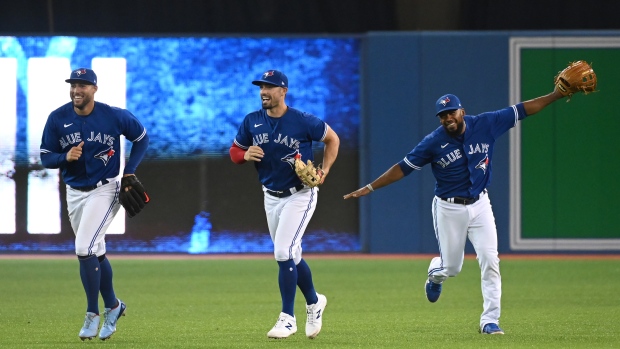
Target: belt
x=464, y=201
x=285, y=193
x=92, y=187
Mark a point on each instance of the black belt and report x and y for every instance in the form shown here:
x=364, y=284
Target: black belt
x=464, y=201
x=92, y=187
x=284, y=193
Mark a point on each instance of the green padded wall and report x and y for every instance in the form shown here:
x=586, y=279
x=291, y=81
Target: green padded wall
x=570, y=171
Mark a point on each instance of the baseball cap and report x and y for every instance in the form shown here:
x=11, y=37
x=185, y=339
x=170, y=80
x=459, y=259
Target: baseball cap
x=447, y=102
x=84, y=76
x=272, y=77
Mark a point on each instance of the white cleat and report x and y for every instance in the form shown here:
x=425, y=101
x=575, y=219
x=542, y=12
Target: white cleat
x=315, y=316
x=91, y=326
x=111, y=317
x=284, y=327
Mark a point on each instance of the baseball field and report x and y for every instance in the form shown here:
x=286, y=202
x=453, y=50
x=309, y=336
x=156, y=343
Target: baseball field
x=373, y=302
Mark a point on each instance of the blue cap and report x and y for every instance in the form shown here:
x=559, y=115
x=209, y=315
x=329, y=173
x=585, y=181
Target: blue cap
x=83, y=76
x=272, y=77
x=447, y=102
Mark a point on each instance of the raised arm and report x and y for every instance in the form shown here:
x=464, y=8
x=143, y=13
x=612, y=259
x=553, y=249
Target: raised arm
x=535, y=105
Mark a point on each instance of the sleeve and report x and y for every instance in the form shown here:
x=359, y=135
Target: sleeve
x=138, y=150
x=317, y=128
x=505, y=119
x=243, y=139
x=131, y=127
x=417, y=157
x=51, y=152
x=237, y=154
x=135, y=132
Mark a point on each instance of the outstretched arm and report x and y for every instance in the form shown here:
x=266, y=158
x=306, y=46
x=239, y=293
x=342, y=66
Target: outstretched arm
x=395, y=173
x=535, y=105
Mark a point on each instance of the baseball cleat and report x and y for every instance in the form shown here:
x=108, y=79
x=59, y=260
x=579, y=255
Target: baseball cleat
x=491, y=328
x=284, y=327
x=91, y=326
x=111, y=317
x=433, y=291
x=315, y=316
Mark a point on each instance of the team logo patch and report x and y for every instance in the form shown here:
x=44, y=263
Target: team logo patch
x=444, y=101
x=484, y=164
x=269, y=73
x=80, y=72
x=105, y=155
x=290, y=158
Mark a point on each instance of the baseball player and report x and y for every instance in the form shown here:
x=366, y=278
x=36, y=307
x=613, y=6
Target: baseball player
x=82, y=138
x=271, y=137
x=460, y=152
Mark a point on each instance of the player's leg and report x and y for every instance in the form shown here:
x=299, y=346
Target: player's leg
x=92, y=217
x=450, y=223
x=89, y=266
x=483, y=236
x=286, y=324
x=304, y=281
x=114, y=307
x=295, y=217
x=315, y=302
x=106, y=286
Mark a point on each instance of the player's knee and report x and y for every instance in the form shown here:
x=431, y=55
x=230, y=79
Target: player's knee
x=281, y=255
x=489, y=265
x=297, y=259
x=453, y=271
x=84, y=251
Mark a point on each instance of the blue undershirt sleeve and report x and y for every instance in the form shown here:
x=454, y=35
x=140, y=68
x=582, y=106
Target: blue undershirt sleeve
x=138, y=150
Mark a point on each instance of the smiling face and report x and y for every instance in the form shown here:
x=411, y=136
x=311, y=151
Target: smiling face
x=452, y=121
x=272, y=99
x=83, y=97
x=272, y=96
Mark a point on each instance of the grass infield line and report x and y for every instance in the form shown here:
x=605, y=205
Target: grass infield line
x=363, y=256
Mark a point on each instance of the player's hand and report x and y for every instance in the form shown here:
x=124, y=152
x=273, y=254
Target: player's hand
x=356, y=194
x=75, y=152
x=325, y=173
x=254, y=153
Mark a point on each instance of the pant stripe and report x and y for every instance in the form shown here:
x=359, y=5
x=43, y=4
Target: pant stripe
x=105, y=218
x=301, y=224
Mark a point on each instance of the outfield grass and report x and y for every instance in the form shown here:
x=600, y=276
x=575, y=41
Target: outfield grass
x=371, y=304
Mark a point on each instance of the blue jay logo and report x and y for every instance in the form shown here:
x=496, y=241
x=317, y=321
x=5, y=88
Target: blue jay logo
x=484, y=164
x=290, y=158
x=105, y=155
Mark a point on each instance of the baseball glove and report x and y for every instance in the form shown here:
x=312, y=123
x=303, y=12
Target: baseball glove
x=578, y=76
x=133, y=196
x=308, y=174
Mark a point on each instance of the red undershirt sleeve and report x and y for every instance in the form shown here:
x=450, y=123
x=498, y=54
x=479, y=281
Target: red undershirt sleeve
x=236, y=154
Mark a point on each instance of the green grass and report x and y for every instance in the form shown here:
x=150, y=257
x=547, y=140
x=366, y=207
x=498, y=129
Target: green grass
x=371, y=304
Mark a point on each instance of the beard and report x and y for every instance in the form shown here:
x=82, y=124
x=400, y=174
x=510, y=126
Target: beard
x=457, y=132
x=270, y=104
x=81, y=105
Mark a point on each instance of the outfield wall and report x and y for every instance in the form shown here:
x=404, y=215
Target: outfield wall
x=553, y=176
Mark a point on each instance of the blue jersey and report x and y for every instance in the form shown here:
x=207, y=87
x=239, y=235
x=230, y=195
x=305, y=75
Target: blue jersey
x=281, y=139
x=100, y=131
x=462, y=166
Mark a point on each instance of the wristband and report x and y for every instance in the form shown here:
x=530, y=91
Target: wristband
x=369, y=187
